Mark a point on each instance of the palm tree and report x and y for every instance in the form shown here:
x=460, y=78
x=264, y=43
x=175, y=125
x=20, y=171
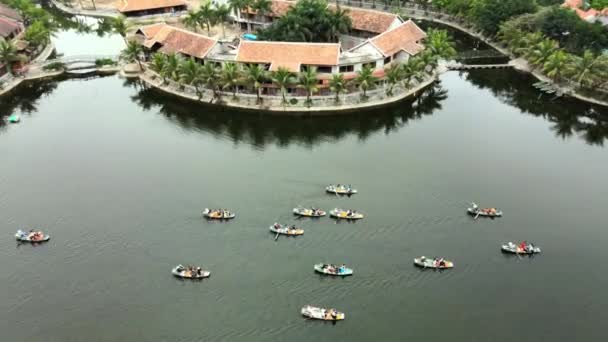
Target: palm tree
x=211, y=79
x=365, y=80
x=37, y=34
x=440, y=44
x=192, y=20
x=308, y=81
x=415, y=68
x=230, y=77
x=206, y=16
x=132, y=53
x=337, y=84
x=555, y=65
x=539, y=53
x=120, y=27
x=339, y=22
x=585, y=70
x=157, y=64
x=190, y=72
x=262, y=7
x=392, y=75
x=255, y=76
x=172, y=62
x=283, y=78
x=428, y=59
x=222, y=13
x=8, y=54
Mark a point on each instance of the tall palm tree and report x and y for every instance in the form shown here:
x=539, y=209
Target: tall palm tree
x=556, y=64
x=206, y=16
x=365, y=80
x=392, y=76
x=192, y=20
x=337, y=84
x=262, y=7
x=157, y=64
x=230, y=77
x=132, y=53
x=339, y=22
x=222, y=14
x=539, y=53
x=283, y=78
x=8, y=55
x=120, y=27
x=210, y=77
x=255, y=76
x=308, y=81
x=586, y=69
x=172, y=62
x=191, y=73
x=440, y=44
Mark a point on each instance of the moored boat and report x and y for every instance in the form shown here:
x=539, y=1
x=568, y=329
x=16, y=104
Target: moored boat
x=14, y=118
x=218, y=214
x=437, y=263
x=340, y=189
x=333, y=270
x=485, y=212
x=522, y=248
x=309, y=212
x=190, y=272
x=31, y=236
x=286, y=230
x=322, y=313
x=345, y=214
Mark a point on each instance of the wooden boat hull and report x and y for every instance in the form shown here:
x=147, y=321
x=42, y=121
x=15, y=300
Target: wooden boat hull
x=429, y=263
x=287, y=232
x=321, y=314
x=515, y=249
x=474, y=212
x=341, y=214
x=208, y=214
x=319, y=268
x=184, y=275
x=340, y=191
x=308, y=212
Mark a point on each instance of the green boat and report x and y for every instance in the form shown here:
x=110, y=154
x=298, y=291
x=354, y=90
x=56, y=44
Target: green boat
x=14, y=118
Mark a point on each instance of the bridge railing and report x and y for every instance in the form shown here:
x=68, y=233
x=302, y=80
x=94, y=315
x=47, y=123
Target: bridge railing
x=80, y=59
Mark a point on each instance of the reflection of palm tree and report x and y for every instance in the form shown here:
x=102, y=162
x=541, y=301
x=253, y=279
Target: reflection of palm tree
x=563, y=127
x=430, y=101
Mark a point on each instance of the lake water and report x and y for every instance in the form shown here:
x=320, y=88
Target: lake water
x=118, y=175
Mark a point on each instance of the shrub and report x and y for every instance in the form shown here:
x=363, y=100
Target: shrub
x=54, y=66
x=104, y=61
x=293, y=101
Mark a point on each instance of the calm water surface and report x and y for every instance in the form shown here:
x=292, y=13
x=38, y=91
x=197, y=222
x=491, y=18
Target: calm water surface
x=118, y=176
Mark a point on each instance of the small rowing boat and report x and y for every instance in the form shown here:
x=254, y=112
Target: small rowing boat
x=340, y=189
x=333, y=270
x=218, y=214
x=345, y=214
x=437, y=263
x=322, y=313
x=190, y=272
x=286, y=230
x=31, y=236
x=522, y=248
x=309, y=212
x=485, y=212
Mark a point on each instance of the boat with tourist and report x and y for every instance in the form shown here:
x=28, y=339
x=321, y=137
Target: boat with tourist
x=31, y=236
x=218, y=214
x=340, y=189
x=190, y=272
x=333, y=270
x=485, y=212
x=309, y=212
x=520, y=248
x=436, y=263
x=281, y=229
x=322, y=314
x=345, y=214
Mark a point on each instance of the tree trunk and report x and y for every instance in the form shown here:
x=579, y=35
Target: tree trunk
x=94, y=5
x=283, y=94
x=258, y=94
x=223, y=31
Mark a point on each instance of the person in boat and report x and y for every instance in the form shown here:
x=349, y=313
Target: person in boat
x=523, y=245
x=441, y=262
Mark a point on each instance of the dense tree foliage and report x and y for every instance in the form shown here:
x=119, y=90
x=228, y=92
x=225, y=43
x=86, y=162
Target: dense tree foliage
x=599, y=4
x=308, y=21
x=488, y=14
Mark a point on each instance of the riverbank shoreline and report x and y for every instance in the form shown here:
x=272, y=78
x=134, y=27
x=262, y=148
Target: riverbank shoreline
x=34, y=71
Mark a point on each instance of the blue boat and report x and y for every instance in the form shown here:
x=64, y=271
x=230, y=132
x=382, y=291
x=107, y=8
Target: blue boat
x=250, y=36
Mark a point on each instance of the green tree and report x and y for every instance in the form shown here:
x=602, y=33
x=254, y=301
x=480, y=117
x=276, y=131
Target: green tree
x=338, y=22
x=132, y=53
x=210, y=76
x=440, y=44
x=556, y=64
x=262, y=7
x=588, y=69
x=283, y=78
x=429, y=60
x=8, y=55
x=192, y=20
x=365, y=80
x=120, y=27
x=206, y=15
x=255, y=77
x=230, y=77
x=172, y=63
x=37, y=34
x=158, y=64
x=489, y=14
x=392, y=76
x=191, y=73
x=337, y=84
x=222, y=14
x=539, y=53
x=309, y=82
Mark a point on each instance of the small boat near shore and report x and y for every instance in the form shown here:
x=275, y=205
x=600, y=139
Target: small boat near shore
x=190, y=272
x=333, y=270
x=280, y=229
x=31, y=236
x=436, y=263
x=340, y=189
x=485, y=212
x=309, y=212
x=345, y=214
x=522, y=248
x=218, y=214
x=322, y=314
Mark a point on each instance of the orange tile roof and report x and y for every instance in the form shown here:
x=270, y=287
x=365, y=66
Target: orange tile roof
x=404, y=37
x=176, y=40
x=141, y=5
x=10, y=13
x=8, y=27
x=288, y=55
x=278, y=8
x=369, y=20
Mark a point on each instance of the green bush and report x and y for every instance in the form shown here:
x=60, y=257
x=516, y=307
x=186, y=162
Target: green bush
x=104, y=61
x=54, y=66
x=293, y=101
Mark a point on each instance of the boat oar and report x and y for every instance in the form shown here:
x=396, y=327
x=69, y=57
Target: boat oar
x=476, y=216
x=276, y=237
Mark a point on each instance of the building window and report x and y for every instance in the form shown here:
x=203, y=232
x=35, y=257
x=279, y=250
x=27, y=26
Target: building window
x=387, y=60
x=324, y=70
x=347, y=68
x=370, y=65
